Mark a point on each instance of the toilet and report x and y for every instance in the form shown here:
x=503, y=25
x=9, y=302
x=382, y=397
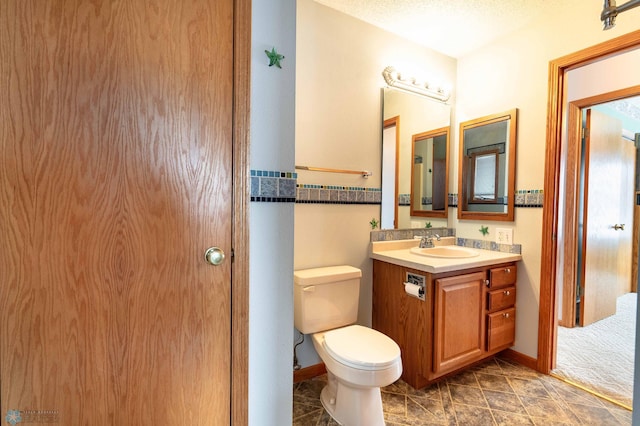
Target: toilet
x=359, y=360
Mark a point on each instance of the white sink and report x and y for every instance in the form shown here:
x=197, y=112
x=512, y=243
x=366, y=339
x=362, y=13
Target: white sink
x=451, y=252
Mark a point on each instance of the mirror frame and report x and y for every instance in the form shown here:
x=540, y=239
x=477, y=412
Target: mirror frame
x=420, y=137
x=512, y=116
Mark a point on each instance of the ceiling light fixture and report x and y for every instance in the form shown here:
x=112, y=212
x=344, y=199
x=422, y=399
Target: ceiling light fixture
x=395, y=79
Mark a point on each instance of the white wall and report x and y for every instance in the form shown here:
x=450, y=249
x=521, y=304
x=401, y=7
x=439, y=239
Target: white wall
x=339, y=125
x=271, y=224
x=513, y=72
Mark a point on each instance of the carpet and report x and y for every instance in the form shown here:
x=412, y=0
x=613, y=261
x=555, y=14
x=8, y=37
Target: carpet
x=600, y=356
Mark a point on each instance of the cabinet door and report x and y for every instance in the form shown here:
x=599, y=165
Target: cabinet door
x=459, y=333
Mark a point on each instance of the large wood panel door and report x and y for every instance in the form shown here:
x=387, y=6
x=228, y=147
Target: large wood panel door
x=115, y=176
x=609, y=166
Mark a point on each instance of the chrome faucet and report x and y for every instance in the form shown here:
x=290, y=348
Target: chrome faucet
x=427, y=241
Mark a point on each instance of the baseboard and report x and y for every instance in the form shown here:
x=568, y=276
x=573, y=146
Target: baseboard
x=309, y=372
x=520, y=358
x=316, y=370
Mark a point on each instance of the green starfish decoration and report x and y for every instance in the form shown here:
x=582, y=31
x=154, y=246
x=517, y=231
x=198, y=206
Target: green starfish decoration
x=274, y=57
x=374, y=223
x=484, y=230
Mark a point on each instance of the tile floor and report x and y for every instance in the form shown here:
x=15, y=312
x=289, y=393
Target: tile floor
x=497, y=392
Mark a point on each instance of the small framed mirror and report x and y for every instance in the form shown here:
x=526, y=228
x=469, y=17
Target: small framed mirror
x=430, y=173
x=486, y=169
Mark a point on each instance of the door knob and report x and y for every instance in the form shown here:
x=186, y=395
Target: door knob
x=214, y=256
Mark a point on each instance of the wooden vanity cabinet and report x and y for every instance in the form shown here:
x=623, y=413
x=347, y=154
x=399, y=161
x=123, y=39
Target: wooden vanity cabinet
x=466, y=316
x=406, y=319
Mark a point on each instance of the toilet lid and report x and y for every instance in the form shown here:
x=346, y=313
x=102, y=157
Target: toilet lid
x=361, y=347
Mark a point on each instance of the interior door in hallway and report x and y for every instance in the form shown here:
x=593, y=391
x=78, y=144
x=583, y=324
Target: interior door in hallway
x=609, y=169
x=115, y=176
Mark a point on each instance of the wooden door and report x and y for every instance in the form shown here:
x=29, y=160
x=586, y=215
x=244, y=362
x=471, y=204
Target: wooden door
x=440, y=199
x=115, y=176
x=608, y=202
x=459, y=327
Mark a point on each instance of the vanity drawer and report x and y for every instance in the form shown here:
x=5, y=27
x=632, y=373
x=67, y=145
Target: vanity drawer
x=501, y=329
x=501, y=298
x=503, y=276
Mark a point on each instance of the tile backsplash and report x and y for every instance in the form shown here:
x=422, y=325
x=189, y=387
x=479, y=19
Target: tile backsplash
x=408, y=234
x=282, y=187
x=335, y=194
x=273, y=186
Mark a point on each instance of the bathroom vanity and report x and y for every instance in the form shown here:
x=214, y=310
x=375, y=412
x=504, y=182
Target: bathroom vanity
x=465, y=312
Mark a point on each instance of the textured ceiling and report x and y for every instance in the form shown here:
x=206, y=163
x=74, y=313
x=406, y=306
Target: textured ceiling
x=451, y=27
x=457, y=27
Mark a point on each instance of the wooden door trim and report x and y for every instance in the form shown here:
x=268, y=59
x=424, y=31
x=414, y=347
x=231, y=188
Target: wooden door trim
x=572, y=200
x=395, y=122
x=555, y=109
x=240, y=225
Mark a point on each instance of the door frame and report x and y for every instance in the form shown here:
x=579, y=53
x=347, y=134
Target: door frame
x=240, y=214
x=555, y=112
x=572, y=186
x=395, y=122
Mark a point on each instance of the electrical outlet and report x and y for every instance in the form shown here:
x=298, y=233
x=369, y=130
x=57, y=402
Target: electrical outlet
x=504, y=235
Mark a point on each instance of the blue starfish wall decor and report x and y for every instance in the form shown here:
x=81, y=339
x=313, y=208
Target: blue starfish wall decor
x=274, y=57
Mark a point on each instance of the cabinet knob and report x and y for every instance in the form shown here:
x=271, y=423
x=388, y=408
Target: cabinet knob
x=507, y=293
x=506, y=315
x=507, y=270
x=487, y=283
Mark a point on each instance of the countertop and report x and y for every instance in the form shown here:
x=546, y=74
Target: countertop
x=397, y=252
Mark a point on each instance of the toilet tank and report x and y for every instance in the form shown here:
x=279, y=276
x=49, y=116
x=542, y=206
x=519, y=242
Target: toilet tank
x=325, y=298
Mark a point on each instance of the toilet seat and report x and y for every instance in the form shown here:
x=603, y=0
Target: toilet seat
x=362, y=348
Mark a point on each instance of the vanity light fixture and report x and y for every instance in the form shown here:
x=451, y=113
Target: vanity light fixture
x=395, y=79
x=610, y=11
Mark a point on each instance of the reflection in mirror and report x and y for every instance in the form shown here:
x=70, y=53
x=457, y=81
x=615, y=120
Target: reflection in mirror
x=404, y=115
x=486, y=177
x=390, y=151
x=429, y=173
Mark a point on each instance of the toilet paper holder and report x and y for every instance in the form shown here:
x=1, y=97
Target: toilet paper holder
x=414, y=285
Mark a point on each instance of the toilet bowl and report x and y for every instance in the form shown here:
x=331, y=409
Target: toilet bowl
x=359, y=361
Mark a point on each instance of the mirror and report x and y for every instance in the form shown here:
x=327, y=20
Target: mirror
x=430, y=173
x=486, y=169
x=405, y=115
